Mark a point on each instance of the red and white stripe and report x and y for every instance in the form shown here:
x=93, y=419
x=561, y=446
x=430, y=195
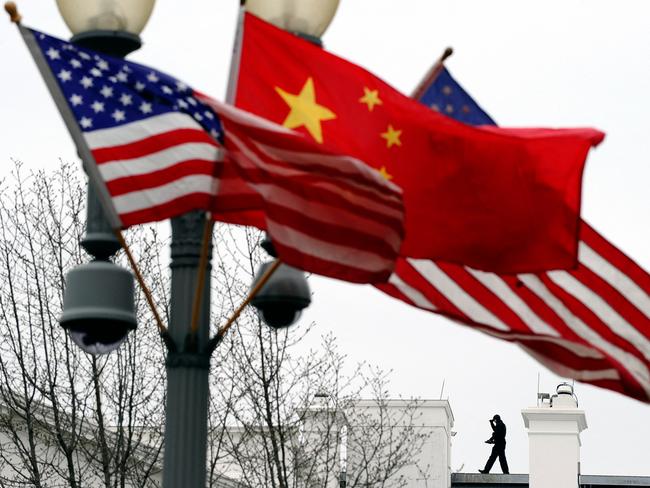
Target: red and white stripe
x=591, y=324
x=326, y=213
x=157, y=167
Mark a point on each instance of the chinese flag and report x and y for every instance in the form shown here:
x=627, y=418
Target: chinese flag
x=501, y=200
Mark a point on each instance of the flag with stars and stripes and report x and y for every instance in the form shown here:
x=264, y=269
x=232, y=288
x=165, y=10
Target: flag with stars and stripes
x=495, y=199
x=591, y=323
x=152, y=147
x=153, y=141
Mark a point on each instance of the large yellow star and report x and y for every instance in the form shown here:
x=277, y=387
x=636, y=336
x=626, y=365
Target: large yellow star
x=370, y=98
x=305, y=111
x=392, y=136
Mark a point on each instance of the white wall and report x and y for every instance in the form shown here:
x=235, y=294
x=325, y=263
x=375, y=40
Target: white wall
x=554, y=442
x=431, y=467
x=52, y=465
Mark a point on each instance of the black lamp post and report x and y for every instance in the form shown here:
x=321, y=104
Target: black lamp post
x=112, y=27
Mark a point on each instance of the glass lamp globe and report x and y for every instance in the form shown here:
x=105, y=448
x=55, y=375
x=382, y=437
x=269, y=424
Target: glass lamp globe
x=106, y=15
x=307, y=17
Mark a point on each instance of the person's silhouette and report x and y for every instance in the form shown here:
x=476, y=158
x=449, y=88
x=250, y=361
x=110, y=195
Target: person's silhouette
x=499, y=450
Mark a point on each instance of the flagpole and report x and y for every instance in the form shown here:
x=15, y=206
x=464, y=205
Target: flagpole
x=432, y=74
x=143, y=285
x=206, y=241
x=258, y=286
x=231, y=90
x=100, y=240
x=103, y=234
x=209, y=222
x=99, y=202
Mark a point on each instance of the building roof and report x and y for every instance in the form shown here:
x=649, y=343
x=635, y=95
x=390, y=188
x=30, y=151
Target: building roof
x=471, y=480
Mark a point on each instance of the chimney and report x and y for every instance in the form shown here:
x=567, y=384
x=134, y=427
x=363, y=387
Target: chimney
x=554, y=427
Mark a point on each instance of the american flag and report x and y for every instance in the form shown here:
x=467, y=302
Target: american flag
x=326, y=213
x=152, y=145
x=591, y=324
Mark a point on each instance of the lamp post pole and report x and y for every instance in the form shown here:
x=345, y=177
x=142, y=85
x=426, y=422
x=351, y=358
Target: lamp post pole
x=188, y=361
x=188, y=354
x=99, y=241
x=188, y=350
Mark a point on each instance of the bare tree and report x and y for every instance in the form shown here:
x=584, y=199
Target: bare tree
x=68, y=419
x=283, y=417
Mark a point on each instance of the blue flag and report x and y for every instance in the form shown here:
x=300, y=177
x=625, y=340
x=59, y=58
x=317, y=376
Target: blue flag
x=446, y=96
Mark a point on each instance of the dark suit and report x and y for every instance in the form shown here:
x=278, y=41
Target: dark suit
x=499, y=450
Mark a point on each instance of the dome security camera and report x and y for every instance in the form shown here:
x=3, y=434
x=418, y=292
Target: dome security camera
x=281, y=300
x=98, y=306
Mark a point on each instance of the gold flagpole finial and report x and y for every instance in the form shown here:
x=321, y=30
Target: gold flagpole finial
x=12, y=10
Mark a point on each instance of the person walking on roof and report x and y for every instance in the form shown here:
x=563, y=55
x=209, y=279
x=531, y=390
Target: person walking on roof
x=499, y=449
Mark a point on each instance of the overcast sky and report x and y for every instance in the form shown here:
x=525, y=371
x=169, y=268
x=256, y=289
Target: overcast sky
x=552, y=63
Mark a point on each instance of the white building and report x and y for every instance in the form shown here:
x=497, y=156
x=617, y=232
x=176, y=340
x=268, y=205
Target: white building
x=554, y=426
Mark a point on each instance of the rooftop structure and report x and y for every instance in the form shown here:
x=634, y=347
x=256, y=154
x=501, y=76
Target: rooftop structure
x=554, y=426
x=466, y=480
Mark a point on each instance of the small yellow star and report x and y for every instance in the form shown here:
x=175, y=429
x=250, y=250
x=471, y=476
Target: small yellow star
x=384, y=173
x=392, y=136
x=449, y=108
x=370, y=98
x=305, y=111
x=446, y=90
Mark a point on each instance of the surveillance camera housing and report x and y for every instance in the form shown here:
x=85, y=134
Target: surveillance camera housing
x=283, y=297
x=279, y=316
x=98, y=306
x=98, y=336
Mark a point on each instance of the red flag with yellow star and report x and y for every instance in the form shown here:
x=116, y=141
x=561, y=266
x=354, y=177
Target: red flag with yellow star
x=494, y=199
